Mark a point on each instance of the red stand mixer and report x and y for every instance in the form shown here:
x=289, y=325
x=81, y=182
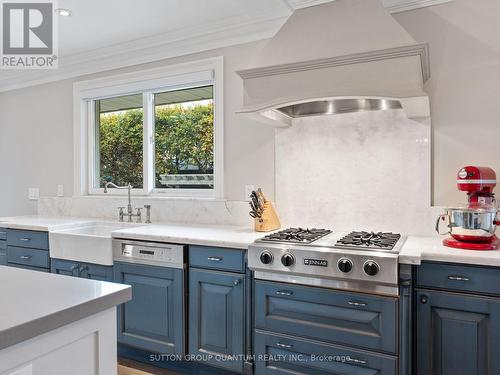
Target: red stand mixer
x=472, y=226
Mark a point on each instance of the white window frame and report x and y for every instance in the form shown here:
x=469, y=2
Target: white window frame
x=148, y=82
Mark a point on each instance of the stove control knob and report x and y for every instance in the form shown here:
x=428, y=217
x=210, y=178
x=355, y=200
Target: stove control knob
x=266, y=257
x=288, y=260
x=344, y=265
x=371, y=268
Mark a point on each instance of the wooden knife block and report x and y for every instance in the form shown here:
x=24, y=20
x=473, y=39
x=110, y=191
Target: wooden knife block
x=269, y=220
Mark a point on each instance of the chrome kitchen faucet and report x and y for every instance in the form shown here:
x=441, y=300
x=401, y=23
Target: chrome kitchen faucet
x=129, y=213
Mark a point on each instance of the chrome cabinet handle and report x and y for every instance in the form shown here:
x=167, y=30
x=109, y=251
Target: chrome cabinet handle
x=284, y=293
x=458, y=278
x=237, y=282
x=26, y=257
x=25, y=239
x=357, y=361
x=215, y=259
x=281, y=345
x=357, y=304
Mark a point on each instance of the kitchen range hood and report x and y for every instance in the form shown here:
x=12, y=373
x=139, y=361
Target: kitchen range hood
x=339, y=57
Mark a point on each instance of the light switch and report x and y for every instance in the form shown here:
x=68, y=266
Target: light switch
x=33, y=194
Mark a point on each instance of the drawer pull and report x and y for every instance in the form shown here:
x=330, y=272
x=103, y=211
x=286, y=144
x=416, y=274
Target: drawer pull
x=284, y=293
x=357, y=304
x=286, y=346
x=25, y=256
x=458, y=278
x=24, y=239
x=357, y=361
x=215, y=259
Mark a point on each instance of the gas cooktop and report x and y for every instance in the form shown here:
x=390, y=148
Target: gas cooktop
x=297, y=235
x=369, y=240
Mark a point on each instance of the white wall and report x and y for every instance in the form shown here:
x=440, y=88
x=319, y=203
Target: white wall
x=464, y=37
x=36, y=136
x=464, y=89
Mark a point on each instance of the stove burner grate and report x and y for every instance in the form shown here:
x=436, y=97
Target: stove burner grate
x=297, y=235
x=370, y=240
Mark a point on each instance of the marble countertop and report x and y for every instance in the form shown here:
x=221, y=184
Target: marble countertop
x=34, y=303
x=418, y=249
x=42, y=223
x=196, y=234
x=414, y=251
x=192, y=234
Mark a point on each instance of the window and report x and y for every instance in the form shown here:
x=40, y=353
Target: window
x=159, y=130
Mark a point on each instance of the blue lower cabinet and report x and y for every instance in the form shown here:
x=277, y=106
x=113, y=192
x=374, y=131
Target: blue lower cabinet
x=154, y=319
x=64, y=267
x=83, y=270
x=281, y=354
x=353, y=319
x=457, y=334
x=217, y=318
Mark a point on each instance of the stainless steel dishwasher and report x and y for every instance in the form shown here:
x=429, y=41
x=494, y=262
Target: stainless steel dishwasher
x=154, y=320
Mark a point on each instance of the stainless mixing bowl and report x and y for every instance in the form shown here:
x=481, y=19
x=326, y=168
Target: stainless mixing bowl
x=469, y=224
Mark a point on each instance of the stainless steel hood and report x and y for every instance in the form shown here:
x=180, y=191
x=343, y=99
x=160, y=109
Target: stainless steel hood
x=342, y=56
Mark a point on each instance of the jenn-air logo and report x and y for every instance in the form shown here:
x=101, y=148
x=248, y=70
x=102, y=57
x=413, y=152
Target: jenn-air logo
x=28, y=35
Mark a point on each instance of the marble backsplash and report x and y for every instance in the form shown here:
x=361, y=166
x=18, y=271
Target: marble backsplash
x=176, y=210
x=356, y=171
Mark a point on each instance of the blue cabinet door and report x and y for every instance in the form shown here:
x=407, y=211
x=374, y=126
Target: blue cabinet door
x=64, y=267
x=457, y=334
x=279, y=354
x=354, y=319
x=96, y=272
x=154, y=319
x=3, y=253
x=217, y=317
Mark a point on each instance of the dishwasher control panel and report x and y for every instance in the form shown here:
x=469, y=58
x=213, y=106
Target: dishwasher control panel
x=151, y=253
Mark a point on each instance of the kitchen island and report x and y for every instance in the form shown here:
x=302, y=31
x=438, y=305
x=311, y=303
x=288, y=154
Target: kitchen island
x=57, y=325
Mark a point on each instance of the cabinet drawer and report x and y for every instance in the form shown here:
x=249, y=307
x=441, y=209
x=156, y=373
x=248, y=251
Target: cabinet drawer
x=28, y=257
x=28, y=267
x=3, y=245
x=217, y=258
x=3, y=234
x=279, y=354
x=329, y=315
x=459, y=277
x=26, y=238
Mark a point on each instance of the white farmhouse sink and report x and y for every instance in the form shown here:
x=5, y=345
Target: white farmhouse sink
x=89, y=243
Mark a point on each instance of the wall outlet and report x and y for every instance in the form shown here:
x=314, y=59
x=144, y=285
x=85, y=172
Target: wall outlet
x=248, y=191
x=60, y=190
x=33, y=194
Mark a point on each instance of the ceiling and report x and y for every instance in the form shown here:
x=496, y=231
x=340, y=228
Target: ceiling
x=103, y=35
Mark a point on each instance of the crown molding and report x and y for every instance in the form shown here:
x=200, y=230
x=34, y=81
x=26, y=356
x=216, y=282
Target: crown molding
x=421, y=50
x=172, y=44
x=396, y=6
x=176, y=43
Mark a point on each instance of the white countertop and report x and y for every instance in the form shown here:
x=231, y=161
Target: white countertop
x=418, y=249
x=196, y=234
x=41, y=223
x=414, y=251
x=36, y=302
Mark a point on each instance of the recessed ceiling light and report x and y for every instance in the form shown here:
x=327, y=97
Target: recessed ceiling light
x=63, y=12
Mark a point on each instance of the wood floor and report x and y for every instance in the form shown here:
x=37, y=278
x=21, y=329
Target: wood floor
x=128, y=367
